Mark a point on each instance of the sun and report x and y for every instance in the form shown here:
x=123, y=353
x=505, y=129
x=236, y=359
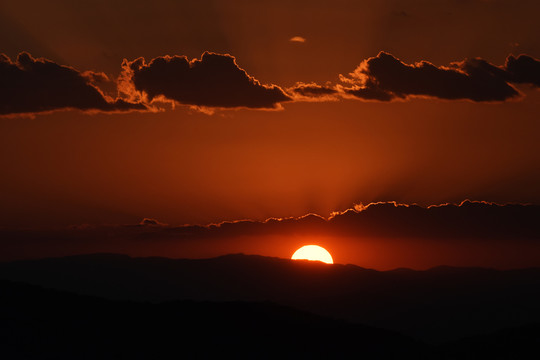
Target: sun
x=313, y=252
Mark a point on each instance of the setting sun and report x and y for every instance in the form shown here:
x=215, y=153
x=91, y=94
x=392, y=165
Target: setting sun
x=313, y=252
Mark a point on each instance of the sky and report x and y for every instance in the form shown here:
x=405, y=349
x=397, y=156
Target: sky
x=199, y=112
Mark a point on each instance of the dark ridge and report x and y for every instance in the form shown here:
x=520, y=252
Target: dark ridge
x=521, y=342
x=39, y=323
x=435, y=305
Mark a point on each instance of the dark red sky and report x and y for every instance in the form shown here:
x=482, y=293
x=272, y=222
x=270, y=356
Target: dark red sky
x=456, y=127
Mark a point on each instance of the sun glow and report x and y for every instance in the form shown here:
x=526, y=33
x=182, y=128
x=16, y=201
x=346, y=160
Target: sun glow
x=313, y=252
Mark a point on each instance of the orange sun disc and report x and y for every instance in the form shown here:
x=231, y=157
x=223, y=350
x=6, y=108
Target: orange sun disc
x=313, y=252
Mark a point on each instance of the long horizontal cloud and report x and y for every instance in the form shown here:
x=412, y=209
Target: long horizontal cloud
x=384, y=77
x=29, y=85
x=213, y=81
x=470, y=219
x=450, y=223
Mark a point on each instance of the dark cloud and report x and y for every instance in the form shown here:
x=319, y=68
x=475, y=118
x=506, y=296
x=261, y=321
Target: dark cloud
x=30, y=85
x=523, y=70
x=151, y=222
x=95, y=77
x=213, y=81
x=367, y=93
x=303, y=91
x=470, y=219
x=454, y=224
x=385, y=77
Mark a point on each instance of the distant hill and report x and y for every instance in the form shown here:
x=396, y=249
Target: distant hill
x=37, y=323
x=437, y=305
x=522, y=342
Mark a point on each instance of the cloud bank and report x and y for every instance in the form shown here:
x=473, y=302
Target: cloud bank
x=32, y=85
x=215, y=80
x=380, y=235
x=469, y=219
x=29, y=85
x=385, y=77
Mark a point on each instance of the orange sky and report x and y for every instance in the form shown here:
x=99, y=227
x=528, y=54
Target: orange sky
x=192, y=165
x=185, y=167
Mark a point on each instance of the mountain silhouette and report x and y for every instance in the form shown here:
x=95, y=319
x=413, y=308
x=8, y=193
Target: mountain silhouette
x=437, y=305
x=521, y=342
x=37, y=323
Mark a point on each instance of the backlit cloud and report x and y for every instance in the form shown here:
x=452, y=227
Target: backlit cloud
x=29, y=85
x=151, y=222
x=385, y=77
x=297, y=39
x=473, y=233
x=523, y=70
x=313, y=92
x=469, y=219
x=215, y=80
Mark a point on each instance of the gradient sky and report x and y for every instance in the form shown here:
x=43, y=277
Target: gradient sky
x=199, y=164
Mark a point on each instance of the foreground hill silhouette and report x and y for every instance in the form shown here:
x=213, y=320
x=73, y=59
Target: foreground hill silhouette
x=437, y=305
x=37, y=323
